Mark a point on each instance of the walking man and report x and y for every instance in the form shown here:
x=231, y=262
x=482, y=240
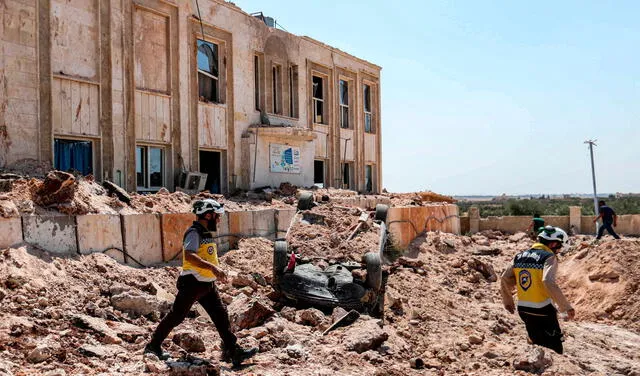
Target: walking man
x=534, y=273
x=609, y=218
x=200, y=269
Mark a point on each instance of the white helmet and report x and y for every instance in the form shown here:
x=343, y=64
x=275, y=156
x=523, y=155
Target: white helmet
x=551, y=233
x=202, y=207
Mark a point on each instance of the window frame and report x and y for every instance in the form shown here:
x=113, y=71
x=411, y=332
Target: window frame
x=216, y=80
x=146, y=167
x=256, y=82
x=317, y=100
x=276, y=89
x=368, y=114
x=344, y=117
x=368, y=168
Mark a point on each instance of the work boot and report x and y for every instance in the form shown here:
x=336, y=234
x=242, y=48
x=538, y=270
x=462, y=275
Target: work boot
x=238, y=355
x=156, y=350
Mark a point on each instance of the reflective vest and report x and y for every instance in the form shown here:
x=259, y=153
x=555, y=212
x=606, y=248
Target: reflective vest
x=528, y=267
x=207, y=251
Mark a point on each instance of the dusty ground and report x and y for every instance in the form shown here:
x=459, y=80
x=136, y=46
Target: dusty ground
x=90, y=315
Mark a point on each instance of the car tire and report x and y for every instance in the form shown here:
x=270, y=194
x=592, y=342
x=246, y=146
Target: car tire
x=280, y=260
x=374, y=270
x=381, y=212
x=305, y=202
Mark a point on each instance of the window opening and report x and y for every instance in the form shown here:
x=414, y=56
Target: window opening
x=368, y=178
x=256, y=81
x=344, y=104
x=149, y=167
x=73, y=155
x=208, y=73
x=368, y=116
x=346, y=174
x=275, y=72
x=318, y=100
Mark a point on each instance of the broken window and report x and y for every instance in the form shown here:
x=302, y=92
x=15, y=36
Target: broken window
x=73, y=155
x=368, y=115
x=276, y=81
x=149, y=168
x=256, y=81
x=293, y=91
x=208, y=73
x=368, y=178
x=344, y=104
x=318, y=100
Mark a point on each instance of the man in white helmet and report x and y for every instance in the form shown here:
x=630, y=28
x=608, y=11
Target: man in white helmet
x=534, y=273
x=200, y=268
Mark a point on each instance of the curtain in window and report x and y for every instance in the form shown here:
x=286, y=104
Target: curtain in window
x=73, y=155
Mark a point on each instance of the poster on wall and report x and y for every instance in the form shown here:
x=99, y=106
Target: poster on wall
x=284, y=158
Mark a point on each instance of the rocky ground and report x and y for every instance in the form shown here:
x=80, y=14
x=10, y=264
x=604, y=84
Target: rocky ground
x=90, y=315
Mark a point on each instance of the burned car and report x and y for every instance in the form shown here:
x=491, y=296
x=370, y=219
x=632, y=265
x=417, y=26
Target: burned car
x=302, y=283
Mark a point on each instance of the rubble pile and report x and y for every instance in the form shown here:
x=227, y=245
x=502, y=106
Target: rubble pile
x=325, y=232
x=90, y=315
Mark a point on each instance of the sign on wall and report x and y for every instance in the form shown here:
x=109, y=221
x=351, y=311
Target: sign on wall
x=284, y=158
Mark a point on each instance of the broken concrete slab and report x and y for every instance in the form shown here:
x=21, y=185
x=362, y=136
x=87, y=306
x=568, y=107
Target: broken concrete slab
x=143, y=241
x=11, y=230
x=174, y=226
x=56, y=234
x=99, y=233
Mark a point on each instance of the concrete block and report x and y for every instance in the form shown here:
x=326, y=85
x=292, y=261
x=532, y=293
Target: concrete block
x=10, y=232
x=143, y=241
x=222, y=236
x=405, y=223
x=98, y=232
x=174, y=226
x=264, y=223
x=283, y=220
x=575, y=219
x=56, y=234
x=240, y=225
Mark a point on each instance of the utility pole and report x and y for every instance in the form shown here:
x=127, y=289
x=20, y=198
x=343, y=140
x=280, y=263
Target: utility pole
x=592, y=143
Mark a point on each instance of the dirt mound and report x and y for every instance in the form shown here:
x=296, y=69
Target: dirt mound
x=603, y=281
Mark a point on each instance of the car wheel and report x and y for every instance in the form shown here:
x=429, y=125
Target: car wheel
x=381, y=212
x=374, y=270
x=280, y=260
x=305, y=202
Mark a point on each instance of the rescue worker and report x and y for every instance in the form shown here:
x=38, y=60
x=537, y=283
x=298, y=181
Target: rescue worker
x=536, y=225
x=534, y=273
x=200, y=269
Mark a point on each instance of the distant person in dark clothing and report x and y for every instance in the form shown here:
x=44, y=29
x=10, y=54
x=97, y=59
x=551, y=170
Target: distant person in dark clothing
x=609, y=218
x=536, y=225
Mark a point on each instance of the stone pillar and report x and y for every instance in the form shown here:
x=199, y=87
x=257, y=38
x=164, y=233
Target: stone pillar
x=474, y=219
x=575, y=219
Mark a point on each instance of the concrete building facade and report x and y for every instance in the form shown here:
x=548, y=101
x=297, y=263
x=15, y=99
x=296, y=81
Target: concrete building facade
x=136, y=91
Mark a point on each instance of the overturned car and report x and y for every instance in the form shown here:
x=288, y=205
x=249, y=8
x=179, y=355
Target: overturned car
x=302, y=283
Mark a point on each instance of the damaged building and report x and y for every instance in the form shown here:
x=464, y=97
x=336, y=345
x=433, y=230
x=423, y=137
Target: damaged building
x=141, y=91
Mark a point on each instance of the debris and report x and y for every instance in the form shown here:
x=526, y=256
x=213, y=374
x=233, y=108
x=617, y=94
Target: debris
x=190, y=341
x=312, y=317
x=121, y=194
x=246, y=312
x=536, y=360
x=367, y=336
x=345, y=320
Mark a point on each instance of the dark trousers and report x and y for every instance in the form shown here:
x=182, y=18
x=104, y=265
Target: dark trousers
x=609, y=228
x=191, y=290
x=543, y=327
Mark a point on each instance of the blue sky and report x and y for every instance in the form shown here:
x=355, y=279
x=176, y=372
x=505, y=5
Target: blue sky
x=492, y=97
